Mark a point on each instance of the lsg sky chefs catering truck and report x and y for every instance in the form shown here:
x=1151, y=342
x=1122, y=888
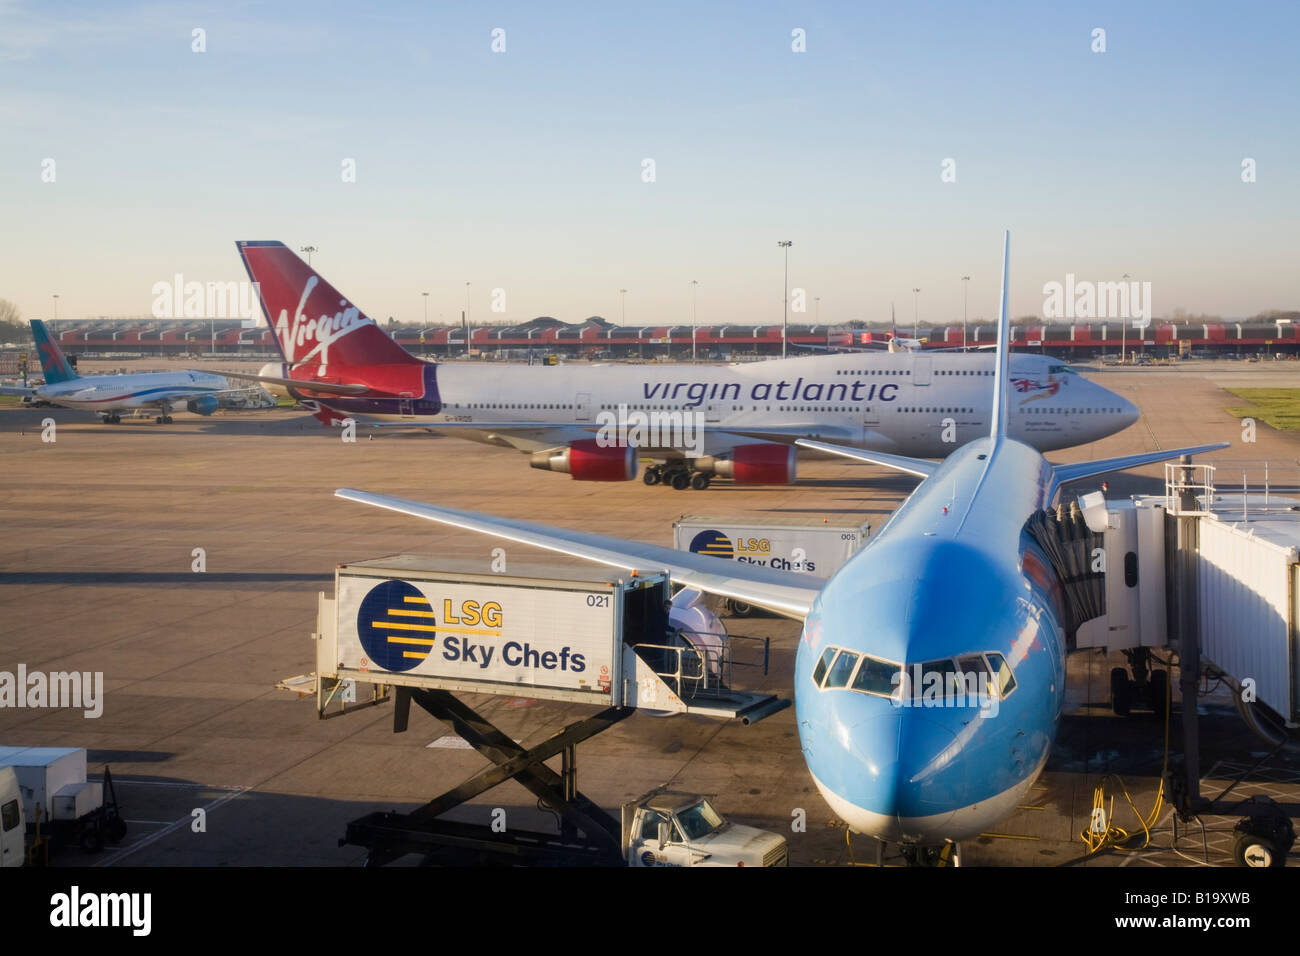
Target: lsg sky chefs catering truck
x=793, y=543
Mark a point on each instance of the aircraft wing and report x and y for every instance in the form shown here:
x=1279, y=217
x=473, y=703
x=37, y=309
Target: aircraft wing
x=790, y=595
x=920, y=467
x=325, y=388
x=1087, y=469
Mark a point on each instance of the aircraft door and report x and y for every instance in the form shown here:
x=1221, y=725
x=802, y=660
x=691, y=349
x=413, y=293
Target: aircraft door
x=921, y=370
x=712, y=413
x=582, y=406
x=870, y=421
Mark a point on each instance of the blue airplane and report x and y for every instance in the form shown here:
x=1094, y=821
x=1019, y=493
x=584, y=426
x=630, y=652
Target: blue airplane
x=930, y=674
x=110, y=395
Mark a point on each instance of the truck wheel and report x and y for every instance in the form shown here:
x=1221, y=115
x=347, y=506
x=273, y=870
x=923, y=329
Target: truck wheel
x=699, y=481
x=92, y=839
x=1256, y=851
x=681, y=481
x=651, y=476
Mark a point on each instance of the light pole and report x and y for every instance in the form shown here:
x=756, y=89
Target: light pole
x=817, y=310
x=426, y=307
x=1123, y=331
x=694, y=283
x=916, y=313
x=965, y=287
x=56, y=306
x=309, y=250
x=785, y=294
x=469, y=323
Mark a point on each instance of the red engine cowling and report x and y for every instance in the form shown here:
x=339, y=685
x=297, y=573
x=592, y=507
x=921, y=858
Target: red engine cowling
x=765, y=464
x=587, y=460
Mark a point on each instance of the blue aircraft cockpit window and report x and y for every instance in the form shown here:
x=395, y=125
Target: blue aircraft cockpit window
x=975, y=675
x=1003, y=679
x=1059, y=369
x=936, y=677
x=841, y=670
x=877, y=677
x=822, y=665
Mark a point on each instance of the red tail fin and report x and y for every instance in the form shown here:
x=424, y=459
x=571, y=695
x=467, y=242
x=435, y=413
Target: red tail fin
x=313, y=323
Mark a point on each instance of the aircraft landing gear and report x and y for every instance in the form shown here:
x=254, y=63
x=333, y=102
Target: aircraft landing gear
x=112, y=418
x=1147, y=688
x=677, y=475
x=949, y=854
x=163, y=419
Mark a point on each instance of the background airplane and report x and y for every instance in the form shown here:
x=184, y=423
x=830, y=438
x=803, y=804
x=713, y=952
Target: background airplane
x=953, y=595
x=739, y=421
x=110, y=395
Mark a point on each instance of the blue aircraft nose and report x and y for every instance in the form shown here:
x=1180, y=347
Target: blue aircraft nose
x=1129, y=412
x=910, y=781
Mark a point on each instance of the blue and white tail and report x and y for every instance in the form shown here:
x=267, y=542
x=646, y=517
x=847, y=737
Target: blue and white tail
x=53, y=364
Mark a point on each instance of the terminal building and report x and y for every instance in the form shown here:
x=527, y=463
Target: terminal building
x=596, y=338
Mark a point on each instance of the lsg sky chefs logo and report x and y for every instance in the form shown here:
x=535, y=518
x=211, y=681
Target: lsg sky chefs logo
x=1084, y=299
x=658, y=429
x=81, y=690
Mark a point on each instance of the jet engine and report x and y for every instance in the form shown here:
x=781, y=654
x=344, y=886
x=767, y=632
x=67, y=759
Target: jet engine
x=203, y=405
x=586, y=460
x=765, y=464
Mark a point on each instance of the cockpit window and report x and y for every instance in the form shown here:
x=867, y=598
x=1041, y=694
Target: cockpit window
x=1003, y=679
x=877, y=677
x=975, y=675
x=841, y=670
x=943, y=684
x=1059, y=370
x=820, y=670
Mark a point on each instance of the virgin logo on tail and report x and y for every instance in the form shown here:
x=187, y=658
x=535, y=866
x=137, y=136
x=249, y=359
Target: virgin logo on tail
x=319, y=333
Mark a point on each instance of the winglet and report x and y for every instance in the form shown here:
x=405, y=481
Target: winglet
x=1002, y=375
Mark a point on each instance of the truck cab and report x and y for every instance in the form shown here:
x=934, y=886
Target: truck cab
x=667, y=828
x=12, y=828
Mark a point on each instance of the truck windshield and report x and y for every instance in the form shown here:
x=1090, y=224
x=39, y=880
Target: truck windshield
x=700, y=820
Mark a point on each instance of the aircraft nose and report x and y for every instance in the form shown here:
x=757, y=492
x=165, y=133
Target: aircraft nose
x=1129, y=412
x=913, y=784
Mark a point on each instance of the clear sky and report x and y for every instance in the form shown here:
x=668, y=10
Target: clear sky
x=523, y=170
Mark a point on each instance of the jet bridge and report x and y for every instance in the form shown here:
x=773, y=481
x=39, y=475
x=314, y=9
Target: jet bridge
x=1209, y=575
x=425, y=631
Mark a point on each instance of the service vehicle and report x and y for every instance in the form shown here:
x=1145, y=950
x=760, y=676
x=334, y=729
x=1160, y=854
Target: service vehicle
x=669, y=828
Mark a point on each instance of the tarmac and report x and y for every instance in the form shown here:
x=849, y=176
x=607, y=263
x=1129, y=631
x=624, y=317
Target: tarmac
x=98, y=561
